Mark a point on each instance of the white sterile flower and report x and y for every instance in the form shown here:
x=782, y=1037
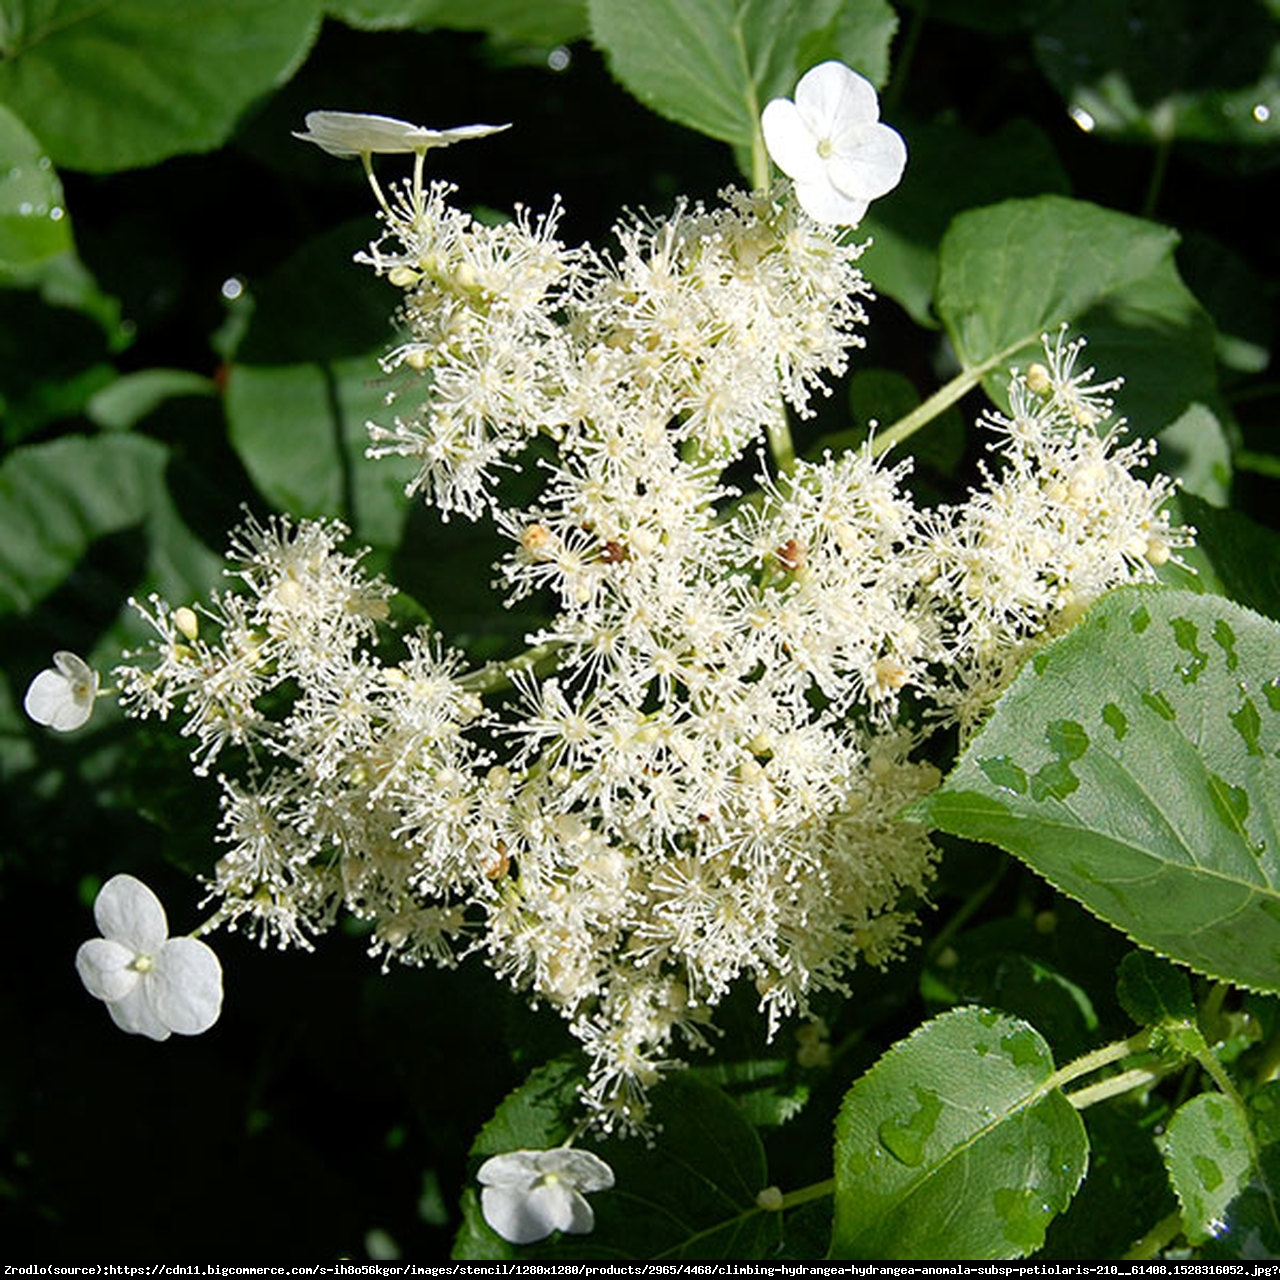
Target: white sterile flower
x=831, y=143
x=62, y=696
x=152, y=984
x=352, y=133
x=529, y=1194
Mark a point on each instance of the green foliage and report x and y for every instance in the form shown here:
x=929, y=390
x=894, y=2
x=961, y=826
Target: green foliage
x=698, y=1201
x=116, y=86
x=956, y=1144
x=1207, y=1150
x=713, y=64
x=1009, y=273
x=1133, y=764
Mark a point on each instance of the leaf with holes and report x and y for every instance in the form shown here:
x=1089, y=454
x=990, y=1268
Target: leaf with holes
x=956, y=1144
x=1135, y=764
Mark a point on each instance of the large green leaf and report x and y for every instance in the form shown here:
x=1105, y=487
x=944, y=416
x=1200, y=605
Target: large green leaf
x=57, y=499
x=949, y=169
x=1163, y=69
x=126, y=84
x=1016, y=270
x=33, y=217
x=713, y=64
x=691, y=1196
x=1206, y=1150
x=1133, y=763
x=304, y=382
x=956, y=1144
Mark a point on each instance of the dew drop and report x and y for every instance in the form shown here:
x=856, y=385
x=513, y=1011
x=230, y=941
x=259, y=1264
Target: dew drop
x=1186, y=636
x=905, y=1138
x=1022, y=1048
x=1248, y=724
x=1002, y=772
x=1023, y=1217
x=1208, y=1172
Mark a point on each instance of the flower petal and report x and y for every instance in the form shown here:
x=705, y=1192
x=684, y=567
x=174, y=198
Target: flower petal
x=558, y=1204
x=832, y=94
x=135, y=1014
x=511, y=1169
x=103, y=967
x=514, y=1215
x=791, y=143
x=867, y=164
x=129, y=913
x=352, y=133
x=185, y=986
x=584, y=1169
x=823, y=203
x=63, y=698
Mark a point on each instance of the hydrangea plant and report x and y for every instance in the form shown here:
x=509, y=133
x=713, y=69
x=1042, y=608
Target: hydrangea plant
x=767, y=677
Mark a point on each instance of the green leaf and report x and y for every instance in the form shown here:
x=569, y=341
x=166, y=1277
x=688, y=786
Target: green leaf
x=1154, y=991
x=304, y=382
x=57, y=499
x=300, y=431
x=956, y=1144
x=713, y=64
x=692, y=1196
x=1194, y=447
x=1206, y=1150
x=1243, y=555
x=1156, y=70
x=549, y=22
x=1250, y=1228
x=949, y=169
x=33, y=216
x=129, y=399
x=1133, y=764
x=1016, y=270
x=126, y=84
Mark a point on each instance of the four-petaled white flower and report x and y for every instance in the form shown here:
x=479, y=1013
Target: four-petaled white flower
x=831, y=143
x=529, y=1194
x=352, y=133
x=152, y=984
x=62, y=696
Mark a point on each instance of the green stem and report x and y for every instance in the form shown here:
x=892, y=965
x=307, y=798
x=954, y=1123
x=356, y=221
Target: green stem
x=941, y=400
x=1112, y=1087
x=1163, y=1233
x=814, y=1191
x=781, y=447
x=1097, y=1059
x=964, y=912
x=1159, y=166
x=906, y=55
x=496, y=676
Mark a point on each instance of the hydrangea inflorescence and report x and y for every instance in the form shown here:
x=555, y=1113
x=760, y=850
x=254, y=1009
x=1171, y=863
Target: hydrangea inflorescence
x=690, y=781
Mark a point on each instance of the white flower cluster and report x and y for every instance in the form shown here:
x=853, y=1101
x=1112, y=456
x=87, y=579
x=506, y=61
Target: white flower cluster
x=691, y=780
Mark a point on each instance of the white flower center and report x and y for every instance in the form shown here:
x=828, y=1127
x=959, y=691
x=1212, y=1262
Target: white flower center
x=826, y=148
x=142, y=964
